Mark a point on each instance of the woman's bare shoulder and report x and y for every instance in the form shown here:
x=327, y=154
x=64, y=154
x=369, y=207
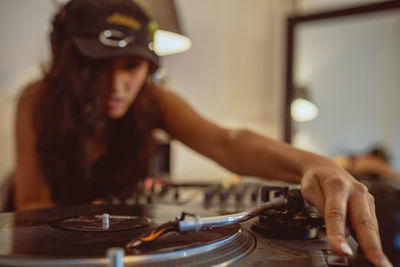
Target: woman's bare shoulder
x=31, y=189
x=31, y=91
x=26, y=106
x=165, y=97
x=29, y=96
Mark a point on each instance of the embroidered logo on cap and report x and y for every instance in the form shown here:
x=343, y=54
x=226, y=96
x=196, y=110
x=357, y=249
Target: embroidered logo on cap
x=125, y=20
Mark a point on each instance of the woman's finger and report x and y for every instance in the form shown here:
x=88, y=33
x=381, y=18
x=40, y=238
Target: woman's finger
x=335, y=216
x=371, y=202
x=365, y=225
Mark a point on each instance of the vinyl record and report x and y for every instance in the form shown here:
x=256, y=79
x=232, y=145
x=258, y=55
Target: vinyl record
x=75, y=236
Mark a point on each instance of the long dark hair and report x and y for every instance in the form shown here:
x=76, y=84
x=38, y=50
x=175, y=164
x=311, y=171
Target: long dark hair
x=71, y=116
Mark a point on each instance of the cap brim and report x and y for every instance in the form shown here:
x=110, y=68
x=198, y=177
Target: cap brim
x=92, y=48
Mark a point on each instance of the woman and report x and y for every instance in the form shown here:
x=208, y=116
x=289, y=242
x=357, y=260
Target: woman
x=84, y=130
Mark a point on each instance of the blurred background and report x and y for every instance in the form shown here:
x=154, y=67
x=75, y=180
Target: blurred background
x=234, y=73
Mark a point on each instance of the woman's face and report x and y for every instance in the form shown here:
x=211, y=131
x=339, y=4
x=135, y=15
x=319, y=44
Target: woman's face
x=129, y=75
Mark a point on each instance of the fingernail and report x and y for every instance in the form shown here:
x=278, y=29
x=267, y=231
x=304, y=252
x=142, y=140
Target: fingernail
x=346, y=249
x=385, y=263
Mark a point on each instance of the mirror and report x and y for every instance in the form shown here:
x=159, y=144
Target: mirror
x=348, y=61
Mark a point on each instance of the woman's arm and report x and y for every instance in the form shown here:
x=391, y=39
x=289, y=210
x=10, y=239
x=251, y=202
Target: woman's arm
x=331, y=189
x=31, y=190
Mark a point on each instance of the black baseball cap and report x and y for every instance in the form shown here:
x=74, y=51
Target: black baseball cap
x=110, y=28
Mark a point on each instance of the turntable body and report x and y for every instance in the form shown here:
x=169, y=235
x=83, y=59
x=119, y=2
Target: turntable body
x=61, y=237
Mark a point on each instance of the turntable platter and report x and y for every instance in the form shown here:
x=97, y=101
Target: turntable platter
x=63, y=236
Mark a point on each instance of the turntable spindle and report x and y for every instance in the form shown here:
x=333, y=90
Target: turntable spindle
x=106, y=221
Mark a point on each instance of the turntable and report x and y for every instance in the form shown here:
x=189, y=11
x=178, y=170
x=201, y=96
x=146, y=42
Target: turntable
x=97, y=235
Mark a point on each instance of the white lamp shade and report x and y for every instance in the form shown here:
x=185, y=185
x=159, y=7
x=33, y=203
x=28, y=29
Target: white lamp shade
x=169, y=43
x=303, y=110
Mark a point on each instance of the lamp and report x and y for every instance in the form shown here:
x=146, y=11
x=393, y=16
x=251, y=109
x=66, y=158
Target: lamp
x=302, y=108
x=168, y=39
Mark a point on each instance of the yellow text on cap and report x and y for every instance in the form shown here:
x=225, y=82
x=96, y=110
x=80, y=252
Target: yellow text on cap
x=125, y=20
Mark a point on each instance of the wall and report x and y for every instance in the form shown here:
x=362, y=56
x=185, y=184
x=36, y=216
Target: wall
x=233, y=73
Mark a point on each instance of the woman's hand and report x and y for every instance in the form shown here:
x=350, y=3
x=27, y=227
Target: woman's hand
x=336, y=194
